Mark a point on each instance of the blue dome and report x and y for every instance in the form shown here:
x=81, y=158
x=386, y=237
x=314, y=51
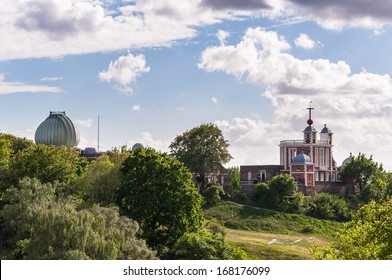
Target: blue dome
x=347, y=160
x=137, y=145
x=326, y=129
x=57, y=130
x=310, y=129
x=301, y=159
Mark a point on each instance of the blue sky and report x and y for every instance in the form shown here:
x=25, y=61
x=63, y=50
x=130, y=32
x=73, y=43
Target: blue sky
x=152, y=69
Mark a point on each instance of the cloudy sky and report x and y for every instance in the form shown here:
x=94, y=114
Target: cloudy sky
x=151, y=69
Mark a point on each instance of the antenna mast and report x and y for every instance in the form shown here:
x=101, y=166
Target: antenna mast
x=98, y=134
x=310, y=121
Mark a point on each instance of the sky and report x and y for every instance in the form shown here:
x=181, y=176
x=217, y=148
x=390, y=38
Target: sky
x=152, y=69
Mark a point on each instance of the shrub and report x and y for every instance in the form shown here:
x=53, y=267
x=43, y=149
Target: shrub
x=331, y=207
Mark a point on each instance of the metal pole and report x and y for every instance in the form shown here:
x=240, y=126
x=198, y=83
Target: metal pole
x=98, y=134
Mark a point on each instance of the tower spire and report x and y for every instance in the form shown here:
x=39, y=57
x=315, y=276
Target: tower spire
x=310, y=108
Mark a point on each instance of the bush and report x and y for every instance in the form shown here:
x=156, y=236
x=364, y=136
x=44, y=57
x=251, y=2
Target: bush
x=203, y=245
x=212, y=194
x=331, y=207
x=239, y=197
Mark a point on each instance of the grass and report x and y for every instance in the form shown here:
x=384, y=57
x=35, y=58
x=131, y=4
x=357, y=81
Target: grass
x=273, y=246
x=244, y=217
x=267, y=234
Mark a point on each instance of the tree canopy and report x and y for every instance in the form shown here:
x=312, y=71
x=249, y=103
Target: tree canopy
x=202, y=149
x=360, y=171
x=41, y=224
x=367, y=237
x=158, y=192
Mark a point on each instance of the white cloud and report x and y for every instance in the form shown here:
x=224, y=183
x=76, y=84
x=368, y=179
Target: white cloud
x=214, y=100
x=50, y=79
x=125, y=69
x=222, y=35
x=344, y=13
x=147, y=140
x=136, y=108
x=180, y=108
x=85, y=123
x=356, y=106
x=304, y=41
x=54, y=28
x=18, y=87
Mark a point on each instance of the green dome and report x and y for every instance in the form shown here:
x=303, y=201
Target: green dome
x=57, y=130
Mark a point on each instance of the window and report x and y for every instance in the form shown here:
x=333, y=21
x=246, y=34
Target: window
x=321, y=157
x=249, y=176
x=292, y=153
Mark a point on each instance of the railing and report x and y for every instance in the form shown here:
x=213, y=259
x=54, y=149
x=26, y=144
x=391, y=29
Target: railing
x=301, y=142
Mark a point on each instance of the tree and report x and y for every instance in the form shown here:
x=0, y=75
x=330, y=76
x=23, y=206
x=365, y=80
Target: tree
x=202, y=149
x=40, y=224
x=100, y=183
x=360, y=171
x=10, y=146
x=47, y=164
x=331, y=207
x=158, y=192
x=234, y=178
x=367, y=237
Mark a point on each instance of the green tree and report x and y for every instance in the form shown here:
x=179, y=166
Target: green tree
x=42, y=225
x=360, y=171
x=203, y=245
x=202, y=149
x=158, y=192
x=212, y=194
x=234, y=178
x=47, y=164
x=367, y=237
x=331, y=207
x=10, y=146
x=100, y=183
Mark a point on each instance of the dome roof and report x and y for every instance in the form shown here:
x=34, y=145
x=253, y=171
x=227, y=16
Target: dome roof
x=326, y=129
x=137, y=145
x=310, y=129
x=347, y=160
x=301, y=159
x=57, y=130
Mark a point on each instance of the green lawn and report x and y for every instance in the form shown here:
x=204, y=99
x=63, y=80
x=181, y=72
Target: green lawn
x=266, y=234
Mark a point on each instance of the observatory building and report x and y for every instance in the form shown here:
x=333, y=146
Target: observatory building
x=57, y=129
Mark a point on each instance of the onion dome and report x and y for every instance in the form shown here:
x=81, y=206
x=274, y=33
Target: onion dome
x=137, y=145
x=57, y=130
x=310, y=129
x=347, y=160
x=326, y=129
x=301, y=159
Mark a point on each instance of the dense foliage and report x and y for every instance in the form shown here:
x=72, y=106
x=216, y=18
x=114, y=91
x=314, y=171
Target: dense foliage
x=158, y=192
x=202, y=149
x=367, y=237
x=202, y=245
x=360, y=171
x=101, y=182
x=41, y=223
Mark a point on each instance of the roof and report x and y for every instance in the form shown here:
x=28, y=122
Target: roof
x=301, y=159
x=57, y=129
x=326, y=129
x=347, y=160
x=310, y=129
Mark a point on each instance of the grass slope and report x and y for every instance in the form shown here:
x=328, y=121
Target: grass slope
x=266, y=234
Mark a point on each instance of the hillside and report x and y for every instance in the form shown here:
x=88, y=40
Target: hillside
x=266, y=234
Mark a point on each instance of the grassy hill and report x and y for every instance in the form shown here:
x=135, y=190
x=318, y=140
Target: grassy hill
x=266, y=234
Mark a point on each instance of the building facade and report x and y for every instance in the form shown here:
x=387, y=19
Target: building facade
x=308, y=160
